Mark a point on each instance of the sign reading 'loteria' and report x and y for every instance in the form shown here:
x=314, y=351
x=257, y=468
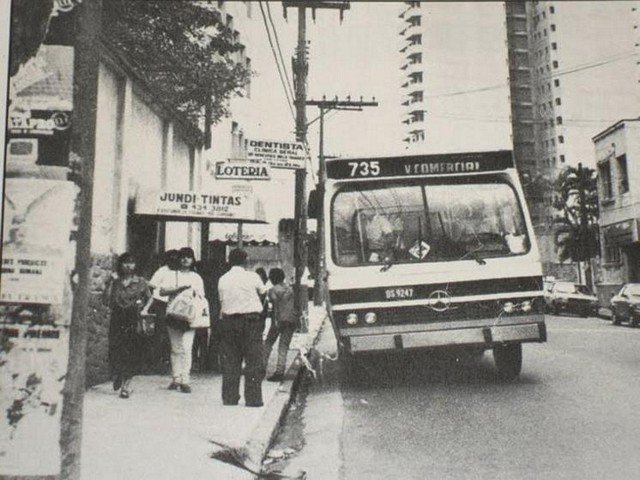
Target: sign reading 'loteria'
x=242, y=170
x=228, y=204
x=275, y=153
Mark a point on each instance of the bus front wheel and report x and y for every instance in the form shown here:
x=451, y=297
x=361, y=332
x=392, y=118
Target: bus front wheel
x=508, y=360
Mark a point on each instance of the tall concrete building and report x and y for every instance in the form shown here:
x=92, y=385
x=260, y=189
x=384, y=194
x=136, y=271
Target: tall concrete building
x=412, y=73
x=453, y=77
x=573, y=71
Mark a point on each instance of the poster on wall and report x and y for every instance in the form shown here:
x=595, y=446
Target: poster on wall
x=233, y=203
x=37, y=257
x=38, y=217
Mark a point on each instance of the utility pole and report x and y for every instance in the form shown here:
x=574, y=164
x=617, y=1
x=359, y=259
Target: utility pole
x=83, y=141
x=325, y=105
x=300, y=67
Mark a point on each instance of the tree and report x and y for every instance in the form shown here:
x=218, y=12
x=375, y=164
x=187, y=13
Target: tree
x=182, y=49
x=29, y=24
x=576, y=199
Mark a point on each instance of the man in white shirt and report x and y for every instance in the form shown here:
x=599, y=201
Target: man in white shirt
x=241, y=328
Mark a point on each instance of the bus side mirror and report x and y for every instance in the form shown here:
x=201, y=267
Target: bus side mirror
x=313, y=206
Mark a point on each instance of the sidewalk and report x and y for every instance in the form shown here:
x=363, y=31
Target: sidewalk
x=161, y=434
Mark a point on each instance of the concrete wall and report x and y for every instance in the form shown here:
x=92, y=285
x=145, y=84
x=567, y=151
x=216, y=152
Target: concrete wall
x=137, y=148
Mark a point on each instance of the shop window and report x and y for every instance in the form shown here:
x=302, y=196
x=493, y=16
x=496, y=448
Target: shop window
x=604, y=172
x=623, y=174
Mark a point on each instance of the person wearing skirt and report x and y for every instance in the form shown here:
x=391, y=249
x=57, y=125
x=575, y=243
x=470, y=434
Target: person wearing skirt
x=128, y=293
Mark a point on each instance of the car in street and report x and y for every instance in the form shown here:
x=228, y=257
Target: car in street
x=570, y=297
x=625, y=306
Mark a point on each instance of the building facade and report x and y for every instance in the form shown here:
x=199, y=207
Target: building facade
x=566, y=84
x=618, y=162
x=412, y=72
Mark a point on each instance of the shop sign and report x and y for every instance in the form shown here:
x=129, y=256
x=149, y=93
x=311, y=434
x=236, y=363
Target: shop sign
x=27, y=124
x=278, y=154
x=35, y=241
x=242, y=170
x=225, y=204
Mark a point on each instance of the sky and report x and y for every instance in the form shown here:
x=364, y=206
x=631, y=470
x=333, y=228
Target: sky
x=360, y=57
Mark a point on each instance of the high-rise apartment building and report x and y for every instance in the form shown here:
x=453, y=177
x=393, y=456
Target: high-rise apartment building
x=453, y=77
x=412, y=73
x=573, y=72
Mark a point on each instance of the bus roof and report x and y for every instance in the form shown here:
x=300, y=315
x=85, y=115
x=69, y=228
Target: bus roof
x=419, y=165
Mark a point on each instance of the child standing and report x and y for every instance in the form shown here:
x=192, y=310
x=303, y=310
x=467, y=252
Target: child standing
x=283, y=323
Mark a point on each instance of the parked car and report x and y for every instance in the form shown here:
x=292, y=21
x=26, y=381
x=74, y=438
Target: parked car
x=572, y=298
x=625, y=306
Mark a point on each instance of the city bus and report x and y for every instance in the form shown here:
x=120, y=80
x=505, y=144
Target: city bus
x=431, y=251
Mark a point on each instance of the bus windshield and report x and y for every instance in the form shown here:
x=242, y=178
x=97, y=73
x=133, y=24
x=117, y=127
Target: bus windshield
x=426, y=223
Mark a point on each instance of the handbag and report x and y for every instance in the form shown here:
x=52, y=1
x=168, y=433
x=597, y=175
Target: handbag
x=146, y=325
x=183, y=306
x=202, y=319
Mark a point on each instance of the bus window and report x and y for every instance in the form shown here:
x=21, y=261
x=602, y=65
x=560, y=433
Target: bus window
x=429, y=223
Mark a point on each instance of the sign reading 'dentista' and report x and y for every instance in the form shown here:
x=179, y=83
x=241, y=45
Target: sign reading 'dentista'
x=242, y=170
x=275, y=153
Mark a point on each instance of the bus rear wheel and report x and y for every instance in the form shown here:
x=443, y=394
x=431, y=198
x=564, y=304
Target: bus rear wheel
x=508, y=360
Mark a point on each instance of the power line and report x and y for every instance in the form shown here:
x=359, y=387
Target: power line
x=284, y=65
x=275, y=56
x=578, y=68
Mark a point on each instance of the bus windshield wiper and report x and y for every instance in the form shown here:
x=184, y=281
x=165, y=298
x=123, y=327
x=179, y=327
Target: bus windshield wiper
x=388, y=263
x=475, y=255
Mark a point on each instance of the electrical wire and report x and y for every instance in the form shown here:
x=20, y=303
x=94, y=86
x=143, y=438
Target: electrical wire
x=284, y=64
x=578, y=68
x=275, y=56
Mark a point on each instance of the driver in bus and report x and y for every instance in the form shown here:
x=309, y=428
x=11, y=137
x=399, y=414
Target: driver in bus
x=384, y=237
x=380, y=237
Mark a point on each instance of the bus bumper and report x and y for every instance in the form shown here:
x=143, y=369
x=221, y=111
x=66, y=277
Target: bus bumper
x=482, y=336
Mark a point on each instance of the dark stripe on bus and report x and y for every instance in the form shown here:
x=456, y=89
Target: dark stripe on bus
x=394, y=293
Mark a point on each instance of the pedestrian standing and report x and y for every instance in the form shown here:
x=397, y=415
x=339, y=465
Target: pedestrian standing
x=127, y=294
x=283, y=322
x=241, y=328
x=170, y=284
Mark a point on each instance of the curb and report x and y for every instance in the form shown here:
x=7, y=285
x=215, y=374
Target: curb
x=265, y=432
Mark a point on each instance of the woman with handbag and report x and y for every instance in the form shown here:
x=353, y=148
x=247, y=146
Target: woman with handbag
x=184, y=290
x=128, y=294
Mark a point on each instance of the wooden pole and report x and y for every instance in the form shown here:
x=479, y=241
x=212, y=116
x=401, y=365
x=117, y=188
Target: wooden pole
x=83, y=136
x=300, y=231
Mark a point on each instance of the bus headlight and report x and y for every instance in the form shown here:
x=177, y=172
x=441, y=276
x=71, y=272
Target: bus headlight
x=526, y=306
x=370, y=318
x=508, y=307
x=352, y=319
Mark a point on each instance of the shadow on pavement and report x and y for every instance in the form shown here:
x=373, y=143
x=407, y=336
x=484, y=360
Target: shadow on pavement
x=424, y=368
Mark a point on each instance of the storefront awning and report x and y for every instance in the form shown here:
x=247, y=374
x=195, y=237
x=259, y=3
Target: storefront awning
x=227, y=204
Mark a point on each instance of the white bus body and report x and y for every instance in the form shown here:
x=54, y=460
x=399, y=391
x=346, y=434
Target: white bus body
x=432, y=251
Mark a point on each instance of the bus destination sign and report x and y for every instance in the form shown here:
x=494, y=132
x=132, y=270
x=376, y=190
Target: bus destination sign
x=420, y=165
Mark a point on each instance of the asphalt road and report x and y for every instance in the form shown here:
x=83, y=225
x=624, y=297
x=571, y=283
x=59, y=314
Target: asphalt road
x=572, y=413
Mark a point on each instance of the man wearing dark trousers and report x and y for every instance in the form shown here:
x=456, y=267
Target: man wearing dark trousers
x=241, y=328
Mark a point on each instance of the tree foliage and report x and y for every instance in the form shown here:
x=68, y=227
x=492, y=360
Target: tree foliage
x=29, y=23
x=182, y=49
x=576, y=200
